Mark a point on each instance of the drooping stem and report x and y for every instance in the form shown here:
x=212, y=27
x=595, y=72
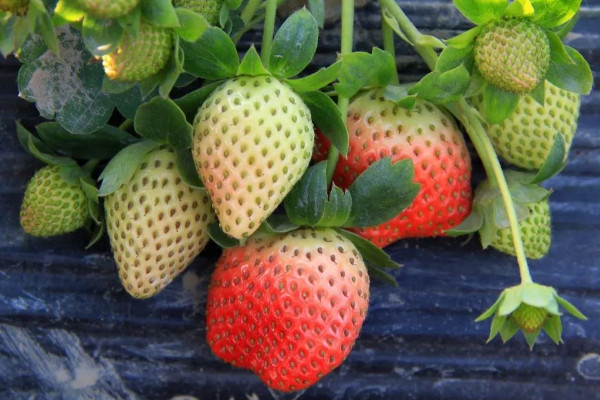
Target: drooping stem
x=250, y=10
x=346, y=48
x=388, y=40
x=269, y=28
x=467, y=115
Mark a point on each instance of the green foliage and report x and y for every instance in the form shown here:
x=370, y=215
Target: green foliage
x=360, y=70
x=328, y=118
x=211, y=57
x=162, y=121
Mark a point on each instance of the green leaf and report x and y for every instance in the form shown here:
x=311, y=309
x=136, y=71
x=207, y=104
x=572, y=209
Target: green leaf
x=553, y=327
x=570, y=308
x=551, y=13
x=317, y=9
x=169, y=75
x=46, y=29
x=162, y=121
x=471, y=224
x=316, y=81
x=115, y=87
x=508, y=330
x=187, y=168
x=488, y=230
x=380, y=274
x=233, y=4
x=574, y=77
x=328, y=118
x=221, y=238
x=443, y=87
x=101, y=36
x=67, y=87
x=305, y=203
x=563, y=30
x=496, y=326
x=121, y=168
x=452, y=57
x=477, y=85
x=360, y=70
x=558, y=51
x=500, y=218
x=555, y=162
x=465, y=39
x=66, y=12
x=481, y=11
x=101, y=144
x=399, y=94
x=40, y=150
x=251, y=64
x=277, y=224
x=294, y=45
x=192, y=25
x=131, y=22
x=389, y=19
x=369, y=251
x=498, y=104
x=337, y=207
x=539, y=93
x=531, y=338
x=160, y=13
x=212, y=57
x=191, y=102
x=519, y=9
x=128, y=102
x=381, y=192
x=490, y=311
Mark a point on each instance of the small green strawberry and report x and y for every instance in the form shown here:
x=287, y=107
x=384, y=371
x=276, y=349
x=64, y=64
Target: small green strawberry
x=529, y=318
x=18, y=7
x=157, y=225
x=253, y=139
x=288, y=307
x=535, y=231
x=138, y=58
x=209, y=9
x=513, y=54
x=525, y=138
x=52, y=206
x=107, y=8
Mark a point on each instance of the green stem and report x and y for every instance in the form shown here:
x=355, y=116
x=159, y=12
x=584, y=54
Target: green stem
x=250, y=10
x=343, y=102
x=467, y=115
x=269, y=29
x=388, y=41
x=128, y=123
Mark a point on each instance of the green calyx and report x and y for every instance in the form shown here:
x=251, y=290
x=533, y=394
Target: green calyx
x=512, y=54
x=531, y=308
x=17, y=7
x=52, y=205
x=107, y=8
x=209, y=9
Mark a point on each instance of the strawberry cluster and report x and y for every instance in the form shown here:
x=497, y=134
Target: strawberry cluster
x=300, y=192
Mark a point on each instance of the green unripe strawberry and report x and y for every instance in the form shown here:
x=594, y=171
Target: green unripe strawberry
x=253, y=139
x=138, y=58
x=209, y=9
x=513, y=54
x=525, y=138
x=535, y=231
x=529, y=318
x=52, y=206
x=157, y=225
x=18, y=7
x=107, y=8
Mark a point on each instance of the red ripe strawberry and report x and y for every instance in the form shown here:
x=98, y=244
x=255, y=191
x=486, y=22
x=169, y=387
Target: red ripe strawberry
x=378, y=128
x=288, y=307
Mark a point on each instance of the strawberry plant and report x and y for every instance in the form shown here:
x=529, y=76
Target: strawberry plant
x=166, y=134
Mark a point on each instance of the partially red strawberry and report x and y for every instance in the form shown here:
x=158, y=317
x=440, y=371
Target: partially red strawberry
x=288, y=307
x=378, y=128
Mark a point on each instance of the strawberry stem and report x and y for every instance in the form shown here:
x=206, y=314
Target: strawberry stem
x=388, y=40
x=467, y=115
x=250, y=10
x=269, y=29
x=343, y=102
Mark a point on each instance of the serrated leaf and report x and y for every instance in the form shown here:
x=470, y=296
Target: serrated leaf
x=553, y=328
x=316, y=81
x=221, y=238
x=337, y=208
x=361, y=70
x=471, y=224
x=40, y=150
x=574, y=77
x=570, y=308
x=498, y=104
x=163, y=121
x=443, y=87
x=477, y=85
x=122, y=167
x=399, y=95
x=277, y=224
x=370, y=253
x=101, y=36
x=481, y=11
x=212, y=57
x=251, y=64
x=551, y=13
x=496, y=326
x=382, y=192
x=190, y=103
x=327, y=117
x=465, y=39
x=317, y=9
x=508, y=330
x=294, y=44
x=555, y=161
x=191, y=24
x=67, y=86
x=160, y=13
x=305, y=203
x=452, y=57
x=101, y=144
x=187, y=168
